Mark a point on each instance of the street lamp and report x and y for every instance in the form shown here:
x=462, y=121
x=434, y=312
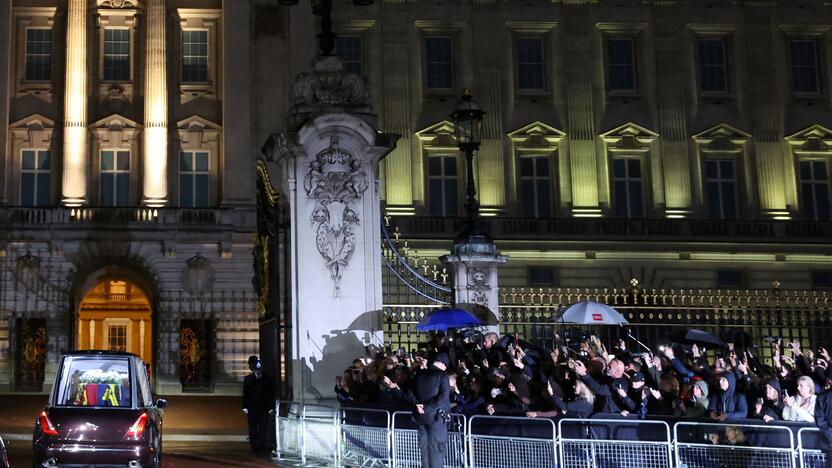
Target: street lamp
x=323, y=8
x=467, y=119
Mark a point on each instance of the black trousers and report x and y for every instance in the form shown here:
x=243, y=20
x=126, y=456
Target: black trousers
x=433, y=443
x=257, y=430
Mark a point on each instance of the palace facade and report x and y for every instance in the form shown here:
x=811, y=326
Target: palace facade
x=685, y=144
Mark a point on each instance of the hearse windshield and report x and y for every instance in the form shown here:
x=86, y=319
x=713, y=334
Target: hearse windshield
x=94, y=381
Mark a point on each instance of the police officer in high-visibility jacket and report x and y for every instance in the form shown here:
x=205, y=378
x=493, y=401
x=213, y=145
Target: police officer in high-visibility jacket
x=431, y=394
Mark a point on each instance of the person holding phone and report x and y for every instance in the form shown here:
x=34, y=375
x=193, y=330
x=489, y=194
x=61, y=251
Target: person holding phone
x=769, y=407
x=728, y=404
x=802, y=406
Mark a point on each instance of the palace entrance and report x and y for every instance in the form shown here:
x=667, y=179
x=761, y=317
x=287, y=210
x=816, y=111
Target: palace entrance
x=116, y=315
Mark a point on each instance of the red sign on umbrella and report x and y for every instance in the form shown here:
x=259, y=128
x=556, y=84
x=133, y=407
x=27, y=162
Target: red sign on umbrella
x=597, y=317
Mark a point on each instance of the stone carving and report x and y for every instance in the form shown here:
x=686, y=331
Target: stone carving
x=478, y=286
x=197, y=276
x=329, y=84
x=27, y=271
x=118, y=3
x=335, y=180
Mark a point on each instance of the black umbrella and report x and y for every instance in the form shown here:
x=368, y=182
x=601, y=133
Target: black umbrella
x=699, y=337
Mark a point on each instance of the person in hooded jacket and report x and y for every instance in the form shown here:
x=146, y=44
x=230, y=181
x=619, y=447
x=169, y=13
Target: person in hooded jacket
x=697, y=404
x=727, y=404
x=771, y=407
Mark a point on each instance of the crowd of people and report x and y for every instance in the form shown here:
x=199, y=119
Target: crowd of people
x=489, y=374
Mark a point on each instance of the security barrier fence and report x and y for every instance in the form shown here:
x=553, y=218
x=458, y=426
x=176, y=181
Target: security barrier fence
x=315, y=435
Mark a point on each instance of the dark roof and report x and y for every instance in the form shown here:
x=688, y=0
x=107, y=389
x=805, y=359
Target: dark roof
x=98, y=352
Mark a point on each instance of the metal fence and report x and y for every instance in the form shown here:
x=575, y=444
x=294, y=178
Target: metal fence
x=365, y=437
x=808, y=448
x=405, y=448
x=709, y=444
x=620, y=443
x=288, y=431
x=313, y=435
x=533, y=450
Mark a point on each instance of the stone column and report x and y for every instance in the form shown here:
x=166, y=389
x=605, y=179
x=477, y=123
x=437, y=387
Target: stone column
x=670, y=38
x=580, y=115
x=765, y=111
x=155, y=108
x=5, y=61
x=237, y=163
x=329, y=161
x=74, y=185
x=476, y=283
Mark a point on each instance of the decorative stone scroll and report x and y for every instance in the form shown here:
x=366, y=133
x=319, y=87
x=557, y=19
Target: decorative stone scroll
x=335, y=180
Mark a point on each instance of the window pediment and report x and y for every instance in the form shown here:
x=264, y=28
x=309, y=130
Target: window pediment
x=816, y=138
x=34, y=131
x=536, y=134
x=629, y=136
x=439, y=135
x=116, y=131
x=196, y=132
x=722, y=138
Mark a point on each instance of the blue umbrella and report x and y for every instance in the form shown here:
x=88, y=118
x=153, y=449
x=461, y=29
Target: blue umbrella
x=443, y=319
x=592, y=313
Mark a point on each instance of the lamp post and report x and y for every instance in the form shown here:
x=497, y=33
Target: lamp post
x=323, y=8
x=467, y=119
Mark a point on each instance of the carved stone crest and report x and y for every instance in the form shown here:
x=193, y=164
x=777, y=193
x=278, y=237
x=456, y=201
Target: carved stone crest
x=118, y=3
x=335, y=180
x=478, y=286
x=27, y=271
x=197, y=276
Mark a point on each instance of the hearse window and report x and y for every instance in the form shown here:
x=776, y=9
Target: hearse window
x=94, y=381
x=143, y=385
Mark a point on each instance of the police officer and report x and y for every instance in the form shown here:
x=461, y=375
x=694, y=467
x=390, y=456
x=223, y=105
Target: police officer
x=258, y=403
x=431, y=393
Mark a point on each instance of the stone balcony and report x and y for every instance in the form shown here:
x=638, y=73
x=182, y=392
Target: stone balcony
x=15, y=220
x=611, y=229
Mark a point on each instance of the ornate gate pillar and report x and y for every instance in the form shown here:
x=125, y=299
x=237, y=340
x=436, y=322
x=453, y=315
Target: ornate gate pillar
x=476, y=283
x=328, y=160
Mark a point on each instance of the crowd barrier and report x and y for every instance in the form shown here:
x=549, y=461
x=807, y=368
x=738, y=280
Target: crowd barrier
x=316, y=435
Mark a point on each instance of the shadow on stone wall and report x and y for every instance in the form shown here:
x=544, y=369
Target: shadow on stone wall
x=338, y=350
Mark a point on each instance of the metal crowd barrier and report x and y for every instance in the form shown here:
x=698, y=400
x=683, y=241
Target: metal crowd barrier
x=405, y=442
x=314, y=435
x=808, y=448
x=725, y=444
x=511, y=442
x=364, y=437
x=288, y=432
x=620, y=443
x=319, y=437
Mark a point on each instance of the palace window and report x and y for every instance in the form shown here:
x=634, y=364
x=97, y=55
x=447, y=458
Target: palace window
x=349, y=49
x=195, y=56
x=439, y=62
x=38, y=54
x=730, y=279
x=536, y=185
x=713, y=70
x=35, y=180
x=531, y=74
x=814, y=190
x=115, y=178
x=628, y=200
x=621, y=64
x=821, y=279
x=541, y=276
x=194, y=179
x=443, y=192
x=116, y=54
x=805, y=66
x=721, y=186
x=117, y=337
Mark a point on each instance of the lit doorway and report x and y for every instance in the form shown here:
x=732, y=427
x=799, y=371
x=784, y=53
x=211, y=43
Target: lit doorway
x=115, y=315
